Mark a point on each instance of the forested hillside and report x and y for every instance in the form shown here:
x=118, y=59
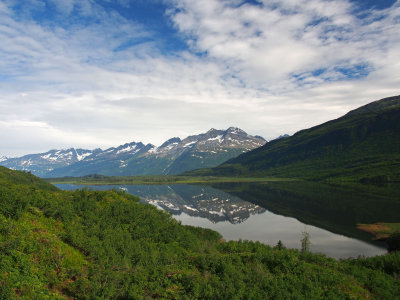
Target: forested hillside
x=363, y=145
x=88, y=244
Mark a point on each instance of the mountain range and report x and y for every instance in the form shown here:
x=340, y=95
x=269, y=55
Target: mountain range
x=363, y=145
x=173, y=157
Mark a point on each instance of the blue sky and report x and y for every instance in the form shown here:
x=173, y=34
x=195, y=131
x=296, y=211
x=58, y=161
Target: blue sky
x=99, y=73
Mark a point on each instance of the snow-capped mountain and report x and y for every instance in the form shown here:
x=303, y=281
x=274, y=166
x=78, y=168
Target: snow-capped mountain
x=42, y=163
x=3, y=158
x=212, y=140
x=205, y=150
x=105, y=162
x=172, y=157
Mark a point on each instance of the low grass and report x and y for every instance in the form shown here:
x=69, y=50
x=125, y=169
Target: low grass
x=380, y=230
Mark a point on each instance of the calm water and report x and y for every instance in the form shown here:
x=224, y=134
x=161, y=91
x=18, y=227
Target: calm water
x=272, y=212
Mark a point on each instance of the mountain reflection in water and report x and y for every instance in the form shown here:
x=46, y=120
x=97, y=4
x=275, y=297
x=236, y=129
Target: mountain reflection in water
x=199, y=201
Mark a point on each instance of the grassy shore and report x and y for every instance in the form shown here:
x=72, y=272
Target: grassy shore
x=156, y=179
x=380, y=230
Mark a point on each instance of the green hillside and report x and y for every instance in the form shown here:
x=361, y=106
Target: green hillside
x=106, y=245
x=363, y=145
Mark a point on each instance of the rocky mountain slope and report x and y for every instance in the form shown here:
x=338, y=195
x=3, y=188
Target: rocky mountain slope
x=172, y=157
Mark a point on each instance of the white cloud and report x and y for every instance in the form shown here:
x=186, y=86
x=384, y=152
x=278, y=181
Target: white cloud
x=266, y=45
x=63, y=86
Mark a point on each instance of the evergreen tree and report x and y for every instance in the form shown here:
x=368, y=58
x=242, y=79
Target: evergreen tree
x=305, y=242
x=280, y=245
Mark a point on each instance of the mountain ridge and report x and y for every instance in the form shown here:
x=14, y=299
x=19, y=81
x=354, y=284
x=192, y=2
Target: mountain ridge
x=135, y=158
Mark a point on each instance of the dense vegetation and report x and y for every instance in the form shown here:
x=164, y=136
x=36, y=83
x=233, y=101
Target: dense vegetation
x=363, y=145
x=89, y=244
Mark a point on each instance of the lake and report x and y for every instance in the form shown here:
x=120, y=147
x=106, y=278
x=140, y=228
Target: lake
x=276, y=211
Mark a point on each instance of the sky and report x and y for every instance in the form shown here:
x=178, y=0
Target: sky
x=101, y=73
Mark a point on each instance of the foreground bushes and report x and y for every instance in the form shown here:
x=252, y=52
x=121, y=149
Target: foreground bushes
x=88, y=244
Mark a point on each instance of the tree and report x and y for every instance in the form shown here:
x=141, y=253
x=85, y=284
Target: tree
x=305, y=242
x=280, y=245
x=393, y=242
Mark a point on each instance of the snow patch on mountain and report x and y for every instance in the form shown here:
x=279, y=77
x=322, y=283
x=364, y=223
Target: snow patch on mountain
x=153, y=150
x=220, y=213
x=129, y=148
x=47, y=156
x=217, y=138
x=83, y=156
x=189, y=144
x=123, y=164
x=169, y=147
x=235, y=130
x=27, y=162
x=190, y=208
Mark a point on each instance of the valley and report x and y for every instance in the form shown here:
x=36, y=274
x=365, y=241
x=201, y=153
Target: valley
x=336, y=183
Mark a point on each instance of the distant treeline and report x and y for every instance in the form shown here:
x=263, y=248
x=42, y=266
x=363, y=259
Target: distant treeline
x=96, y=179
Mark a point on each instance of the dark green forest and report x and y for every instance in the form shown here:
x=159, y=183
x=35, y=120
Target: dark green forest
x=89, y=244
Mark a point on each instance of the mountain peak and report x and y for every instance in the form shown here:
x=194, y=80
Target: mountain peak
x=235, y=130
x=282, y=136
x=260, y=137
x=132, y=147
x=170, y=141
x=376, y=106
